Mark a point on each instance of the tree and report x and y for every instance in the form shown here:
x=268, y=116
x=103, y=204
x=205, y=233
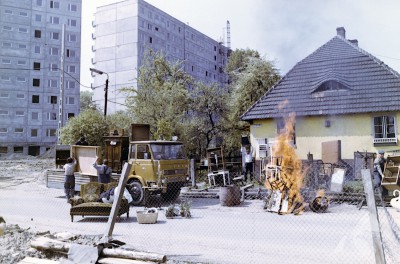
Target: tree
x=252, y=76
x=120, y=120
x=86, y=101
x=208, y=108
x=90, y=123
x=161, y=98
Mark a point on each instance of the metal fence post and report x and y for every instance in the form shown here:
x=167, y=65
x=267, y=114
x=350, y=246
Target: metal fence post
x=373, y=216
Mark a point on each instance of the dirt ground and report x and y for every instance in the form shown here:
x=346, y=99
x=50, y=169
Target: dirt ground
x=14, y=170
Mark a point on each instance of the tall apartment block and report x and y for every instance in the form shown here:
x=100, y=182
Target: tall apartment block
x=40, y=45
x=122, y=33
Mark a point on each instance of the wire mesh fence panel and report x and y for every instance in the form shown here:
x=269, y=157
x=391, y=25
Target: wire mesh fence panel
x=259, y=226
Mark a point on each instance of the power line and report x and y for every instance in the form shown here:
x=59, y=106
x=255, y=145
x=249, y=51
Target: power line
x=35, y=69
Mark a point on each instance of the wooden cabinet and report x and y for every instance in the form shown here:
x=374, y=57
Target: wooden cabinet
x=391, y=173
x=116, y=151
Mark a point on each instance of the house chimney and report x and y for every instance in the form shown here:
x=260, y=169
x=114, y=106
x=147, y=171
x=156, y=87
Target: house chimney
x=354, y=41
x=341, y=32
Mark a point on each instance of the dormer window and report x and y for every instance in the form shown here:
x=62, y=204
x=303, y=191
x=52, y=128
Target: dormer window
x=331, y=86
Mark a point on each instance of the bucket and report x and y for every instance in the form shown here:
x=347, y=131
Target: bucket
x=229, y=195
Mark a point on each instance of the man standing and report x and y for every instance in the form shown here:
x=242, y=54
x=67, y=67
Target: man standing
x=248, y=161
x=379, y=166
x=103, y=171
x=69, y=178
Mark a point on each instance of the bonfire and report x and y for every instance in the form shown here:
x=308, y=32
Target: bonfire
x=284, y=175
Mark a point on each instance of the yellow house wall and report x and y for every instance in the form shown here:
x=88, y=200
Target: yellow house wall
x=354, y=131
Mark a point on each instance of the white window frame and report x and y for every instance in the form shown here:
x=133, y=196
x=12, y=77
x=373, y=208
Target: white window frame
x=37, y=49
x=7, y=28
x=23, y=14
x=4, y=112
x=52, y=83
x=385, y=138
x=54, y=20
x=55, y=4
x=39, y=2
x=72, y=22
x=54, y=51
x=72, y=8
x=21, y=62
x=51, y=116
x=18, y=128
x=53, y=67
x=70, y=100
x=3, y=130
x=55, y=35
x=4, y=95
x=21, y=79
x=70, y=84
x=6, y=61
x=20, y=96
x=72, y=38
x=22, y=46
x=19, y=113
x=49, y=99
x=71, y=53
x=51, y=132
x=71, y=68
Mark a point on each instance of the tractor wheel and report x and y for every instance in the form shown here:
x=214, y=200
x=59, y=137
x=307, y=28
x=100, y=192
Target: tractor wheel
x=136, y=191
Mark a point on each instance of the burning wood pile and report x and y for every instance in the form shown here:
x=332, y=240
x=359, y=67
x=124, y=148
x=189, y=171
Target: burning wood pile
x=284, y=177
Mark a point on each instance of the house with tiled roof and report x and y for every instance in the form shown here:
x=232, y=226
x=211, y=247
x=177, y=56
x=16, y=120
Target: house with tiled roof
x=339, y=93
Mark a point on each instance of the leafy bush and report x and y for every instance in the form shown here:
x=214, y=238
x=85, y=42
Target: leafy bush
x=353, y=187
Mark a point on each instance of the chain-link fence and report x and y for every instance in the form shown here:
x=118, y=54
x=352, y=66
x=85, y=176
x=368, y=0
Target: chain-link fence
x=219, y=224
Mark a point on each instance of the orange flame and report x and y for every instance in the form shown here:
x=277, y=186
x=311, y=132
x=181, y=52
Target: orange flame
x=290, y=175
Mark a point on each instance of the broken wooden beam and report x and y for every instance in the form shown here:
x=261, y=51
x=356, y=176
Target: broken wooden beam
x=48, y=244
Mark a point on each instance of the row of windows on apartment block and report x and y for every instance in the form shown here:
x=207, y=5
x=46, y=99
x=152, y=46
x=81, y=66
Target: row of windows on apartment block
x=157, y=20
x=55, y=35
x=52, y=99
x=37, y=49
x=51, y=83
x=190, y=48
x=198, y=42
x=57, y=5
x=33, y=132
x=55, y=20
x=50, y=116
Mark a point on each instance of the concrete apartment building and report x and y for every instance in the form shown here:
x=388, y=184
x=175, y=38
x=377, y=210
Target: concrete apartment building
x=40, y=42
x=122, y=33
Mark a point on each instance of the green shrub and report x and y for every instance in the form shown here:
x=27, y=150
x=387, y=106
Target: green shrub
x=353, y=187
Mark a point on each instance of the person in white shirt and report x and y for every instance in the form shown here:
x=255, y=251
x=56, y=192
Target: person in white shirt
x=69, y=178
x=248, y=161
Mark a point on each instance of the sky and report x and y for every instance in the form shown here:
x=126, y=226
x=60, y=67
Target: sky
x=282, y=31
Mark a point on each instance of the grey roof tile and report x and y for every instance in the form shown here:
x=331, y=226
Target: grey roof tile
x=372, y=85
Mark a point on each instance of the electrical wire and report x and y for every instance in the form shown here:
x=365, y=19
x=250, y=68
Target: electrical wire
x=49, y=68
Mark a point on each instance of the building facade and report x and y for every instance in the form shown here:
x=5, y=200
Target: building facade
x=122, y=33
x=341, y=96
x=40, y=43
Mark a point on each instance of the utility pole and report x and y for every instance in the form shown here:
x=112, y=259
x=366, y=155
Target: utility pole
x=105, y=89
